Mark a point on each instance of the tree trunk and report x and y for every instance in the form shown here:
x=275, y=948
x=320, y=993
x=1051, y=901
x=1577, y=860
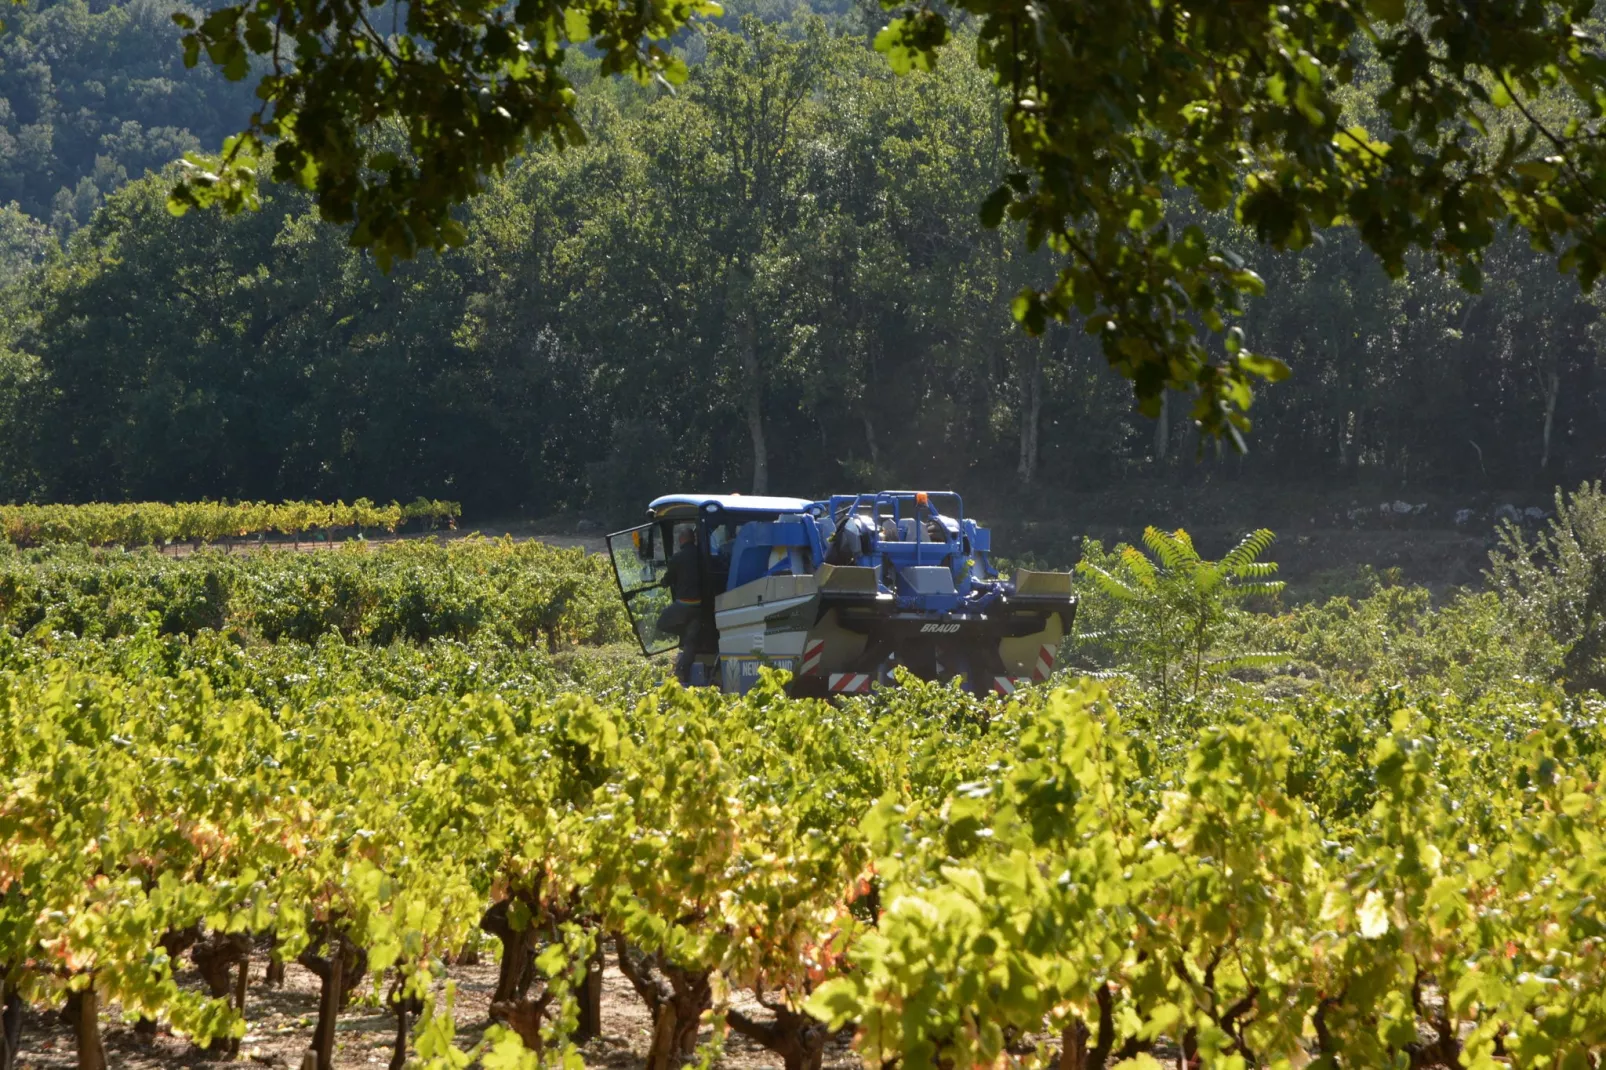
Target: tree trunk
x=676, y=998
x=1552, y=388
x=590, y=996
x=744, y=339
x=398, y=1054
x=686, y=1032
x=404, y=1006
x=518, y=952
x=175, y=942
x=323, y=1037
x=216, y=958
x=1031, y=408
x=870, y=441
x=1073, y=1046
x=1074, y=1051
x=242, y=982
x=662, y=1050
x=274, y=974
x=1162, y=428
x=754, y=403
x=524, y=1017
x=10, y=1029
x=83, y=1010
x=340, y=974
x=797, y=1038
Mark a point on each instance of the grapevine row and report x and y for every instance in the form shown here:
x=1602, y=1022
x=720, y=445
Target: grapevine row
x=157, y=523
x=1407, y=881
x=372, y=836
x=416, y=590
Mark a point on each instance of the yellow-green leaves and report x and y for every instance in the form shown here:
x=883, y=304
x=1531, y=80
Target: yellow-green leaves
x=911, y=41
x=1238, y=913
x=1260, y=885
x=1373, y=915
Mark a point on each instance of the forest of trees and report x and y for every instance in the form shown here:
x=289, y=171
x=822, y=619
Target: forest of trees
x=774, y=278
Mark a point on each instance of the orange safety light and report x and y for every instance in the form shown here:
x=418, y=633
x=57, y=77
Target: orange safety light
x=920, y=497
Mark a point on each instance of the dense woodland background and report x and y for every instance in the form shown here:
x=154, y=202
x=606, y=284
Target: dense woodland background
x=774, y=278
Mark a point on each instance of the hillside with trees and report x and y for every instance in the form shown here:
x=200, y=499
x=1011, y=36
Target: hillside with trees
x=774, y=277
x=93, y=95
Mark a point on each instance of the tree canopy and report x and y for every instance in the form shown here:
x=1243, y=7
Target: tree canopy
x=1486, y=115
x=94, y=94
x=775, y=276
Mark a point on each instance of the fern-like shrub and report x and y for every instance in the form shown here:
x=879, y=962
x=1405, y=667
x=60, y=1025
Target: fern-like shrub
x=1164, y=616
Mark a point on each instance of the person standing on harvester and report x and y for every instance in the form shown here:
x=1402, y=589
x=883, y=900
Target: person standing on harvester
x=683, y=617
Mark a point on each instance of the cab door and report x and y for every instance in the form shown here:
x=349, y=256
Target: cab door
x=640, y=556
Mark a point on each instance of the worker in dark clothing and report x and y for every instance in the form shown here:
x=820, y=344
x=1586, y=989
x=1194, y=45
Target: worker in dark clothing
x=684, y=616
x=684, y=575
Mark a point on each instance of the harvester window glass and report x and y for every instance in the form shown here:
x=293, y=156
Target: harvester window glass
x=640, y=556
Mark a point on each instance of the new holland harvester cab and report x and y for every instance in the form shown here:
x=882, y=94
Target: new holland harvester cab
x=842, y=591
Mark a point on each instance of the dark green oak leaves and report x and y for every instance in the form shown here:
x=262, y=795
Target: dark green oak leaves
x=392, y=113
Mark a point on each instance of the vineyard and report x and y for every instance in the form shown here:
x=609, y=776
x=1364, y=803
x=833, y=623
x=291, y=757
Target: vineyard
x=155, y=523
x=1380, y=847
x=515, y=592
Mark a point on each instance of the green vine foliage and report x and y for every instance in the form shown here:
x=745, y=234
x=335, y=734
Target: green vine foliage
x=131, y=524
x=1398, y=865
x=1240, y=905
x=516, y=592
x=1395, y=875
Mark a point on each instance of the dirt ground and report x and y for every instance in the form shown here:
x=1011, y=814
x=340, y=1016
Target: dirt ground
x=279, y=1024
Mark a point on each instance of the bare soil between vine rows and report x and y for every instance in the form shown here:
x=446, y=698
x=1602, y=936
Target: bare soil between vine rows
x=279, y=1023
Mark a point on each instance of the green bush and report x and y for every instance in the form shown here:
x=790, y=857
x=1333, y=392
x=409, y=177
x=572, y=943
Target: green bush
x=1467, y=645
x=1554, y=586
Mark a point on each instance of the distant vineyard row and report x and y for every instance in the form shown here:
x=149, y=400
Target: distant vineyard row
x=518, y=593
x=156, y=523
